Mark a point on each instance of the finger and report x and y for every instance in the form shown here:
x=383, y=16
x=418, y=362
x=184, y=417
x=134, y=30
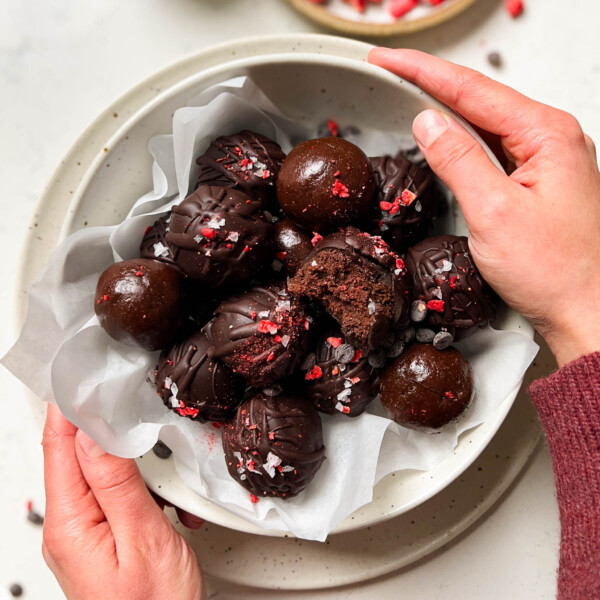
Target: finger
x=589, y=142
x=68, y=496
x=461, y=162
x=189, y=520
x=121, y=493
x=481, y=100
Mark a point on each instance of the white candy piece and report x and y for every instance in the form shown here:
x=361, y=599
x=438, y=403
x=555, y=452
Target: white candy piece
x=272, y=461
x=160, y=250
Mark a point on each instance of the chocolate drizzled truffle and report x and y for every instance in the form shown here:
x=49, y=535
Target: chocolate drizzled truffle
x=325, y=183
x=340, y=379
x=274, y=447
x=220, y=236
x=445, y=277
x=427, y=388
x=193, y=385
x=154, y=243
x=361, y=283
x=140, y=302
x=292, y=245
x=406, y=201
x=262, y=334
x=246, y=160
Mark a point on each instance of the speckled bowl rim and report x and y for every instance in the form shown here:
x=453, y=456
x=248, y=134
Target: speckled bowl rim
x=191, y=502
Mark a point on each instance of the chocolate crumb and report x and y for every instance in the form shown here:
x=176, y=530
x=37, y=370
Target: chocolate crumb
x=16, y=590
x=424, y=335
x=442, y=340
x=161, y=450
x=495, y=59
x=35, y=517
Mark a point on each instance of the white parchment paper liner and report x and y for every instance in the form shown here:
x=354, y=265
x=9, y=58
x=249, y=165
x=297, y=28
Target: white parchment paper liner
x=64, y=356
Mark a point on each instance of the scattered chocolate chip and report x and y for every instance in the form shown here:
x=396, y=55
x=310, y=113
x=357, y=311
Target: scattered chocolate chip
x=424, y=335
x=442, y=340
x=418, y=311
x=495, y=59
x=396, y=349
x=161, y=450
x=16, y=590
x=35, y=517
x=408, y=335
x=344, y=353
x=377, y=359
x=273, y=390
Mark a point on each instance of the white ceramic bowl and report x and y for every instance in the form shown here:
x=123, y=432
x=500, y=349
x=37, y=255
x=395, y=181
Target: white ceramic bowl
x=306, y=86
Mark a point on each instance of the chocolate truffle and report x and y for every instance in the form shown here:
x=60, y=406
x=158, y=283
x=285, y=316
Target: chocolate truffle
x=274, y=446
x=220, y=236
x=427, y=388
x=361, y=283
x=445, y=277
x=141, y=302
x=339, y=379
x=193, y=385
x=154, y=244
x=292, y=245
x=246, y=160
x=262, y=334
x=406, y=202
x=325, y=183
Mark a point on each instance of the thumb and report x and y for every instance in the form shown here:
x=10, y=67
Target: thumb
x=461, y=162
x=120, y=491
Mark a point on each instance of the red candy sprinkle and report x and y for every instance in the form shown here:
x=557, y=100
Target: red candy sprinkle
x=316, y=373
x=357, y=356
x=334, y=341
x=253, y=499
x=398, y=8
x=148, y=229
x=514, y=7
x=267, y=327
x=138, y=274
x=339, y=189
x=449, y=395
x=208, y=233
x=385, y=205
x=436, y=305
x=187, y=411
x=105, y=298
x=346, y=410
x=399, y=264
x=316, y=238
x=281, y=255
x=271, y=357
x=29, y=505
x=333, y=127
x=266, y=174
x=408, y=197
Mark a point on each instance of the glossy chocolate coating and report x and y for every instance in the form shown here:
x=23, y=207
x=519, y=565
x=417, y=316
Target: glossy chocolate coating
x=336, y=386
x=292, y=244
x=274, y=446
x=325, y=183
x=140, y=302
x=246, y=160
x=193, y=385
x=402, y=218
x=154, y=243
x=361, y=283
x=444, y=275
x=427, y=388
x=262, y=333
x=220, y=236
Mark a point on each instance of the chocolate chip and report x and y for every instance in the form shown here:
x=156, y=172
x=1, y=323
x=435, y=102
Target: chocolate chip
x=161, y=450
x=418, y=311
x=396, y=349
x=495, y=59
x=408, y=335
x=344, y=353
x=442, y=340
x=377, y=359
x=424, y=335
x=308, y=364
x=273, y=390
x=16, y=590
x=35, y=518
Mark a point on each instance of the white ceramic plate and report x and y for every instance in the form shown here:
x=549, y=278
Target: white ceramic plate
x=306, y=86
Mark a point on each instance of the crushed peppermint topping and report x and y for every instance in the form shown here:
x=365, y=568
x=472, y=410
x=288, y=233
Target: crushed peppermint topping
x=160, y=249
x=285, y=340
x=233, y=236
x=335, y=342
x=267, y=327
x=343, y=409
x=198, y=239
x=272, y=461
x=345, y=393
x=408, y=197
x=446, y=266
x=264, y=314
x=436, y=305
x=315, y=373
x=168, y=383
x=339, y=189
x=208, y=233
x=316, y=238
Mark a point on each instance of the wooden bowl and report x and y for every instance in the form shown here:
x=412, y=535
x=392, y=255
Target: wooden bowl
x=321, y=15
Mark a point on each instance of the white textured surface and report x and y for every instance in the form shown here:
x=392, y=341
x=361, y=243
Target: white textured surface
x=62, y=62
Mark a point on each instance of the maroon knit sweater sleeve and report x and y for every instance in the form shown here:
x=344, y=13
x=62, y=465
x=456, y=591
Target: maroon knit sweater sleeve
x=568, y=402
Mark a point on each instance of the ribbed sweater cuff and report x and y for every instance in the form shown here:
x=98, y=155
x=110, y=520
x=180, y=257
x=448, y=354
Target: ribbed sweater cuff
x=568, y=403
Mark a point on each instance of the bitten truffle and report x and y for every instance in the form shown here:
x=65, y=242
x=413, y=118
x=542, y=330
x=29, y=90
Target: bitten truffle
x=360, y=282
x=262, y=334
x=141, y=302
x=246, y=160
x=338, y=379
x=274, y=446
x=445, y=277
x=427, y=388
x=292, y=245
x=325, y=183
x=406, y=203
x=193, y=385
x=220, y=236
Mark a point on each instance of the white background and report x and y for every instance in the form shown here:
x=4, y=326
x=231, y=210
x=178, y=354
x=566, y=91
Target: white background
x=63, y=61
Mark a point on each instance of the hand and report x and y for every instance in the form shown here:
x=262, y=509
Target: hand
x=534, y=235
x=104, y=535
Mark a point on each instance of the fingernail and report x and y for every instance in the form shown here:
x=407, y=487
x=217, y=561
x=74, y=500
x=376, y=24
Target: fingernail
x=88, y=445
x=428, y=126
